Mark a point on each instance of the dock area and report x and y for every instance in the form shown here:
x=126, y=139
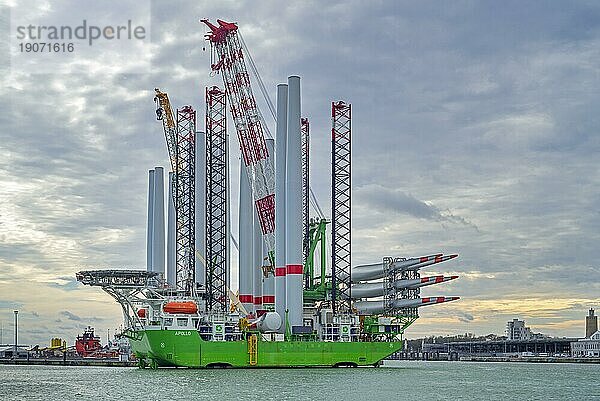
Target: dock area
x=69, y=362
x=456, y=357
x=531, y=359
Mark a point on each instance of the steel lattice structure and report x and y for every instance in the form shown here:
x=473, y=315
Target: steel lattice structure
x=130, y=288
x=230, y=63
x=185, y=200
x=216, y=199
x=180, y=135
x=123, y=278
x=341, y=128
x=391, y=293
x=305, y=138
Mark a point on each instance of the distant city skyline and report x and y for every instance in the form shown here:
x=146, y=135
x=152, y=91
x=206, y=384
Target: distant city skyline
x=475, y=131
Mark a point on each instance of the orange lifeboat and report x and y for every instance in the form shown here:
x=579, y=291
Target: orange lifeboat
x=141, y=313
x=186, y=307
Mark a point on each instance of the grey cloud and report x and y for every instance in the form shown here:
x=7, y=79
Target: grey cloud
x=68, y=283
x=4, y=304
x=465, y=317
x=384, y=199
x=70, y=316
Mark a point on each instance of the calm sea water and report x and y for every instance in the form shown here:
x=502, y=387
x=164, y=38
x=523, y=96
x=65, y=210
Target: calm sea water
x=395, y=380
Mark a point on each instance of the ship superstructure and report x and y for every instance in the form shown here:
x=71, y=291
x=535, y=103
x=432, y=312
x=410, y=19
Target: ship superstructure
x=87, y=344
x=295, y=306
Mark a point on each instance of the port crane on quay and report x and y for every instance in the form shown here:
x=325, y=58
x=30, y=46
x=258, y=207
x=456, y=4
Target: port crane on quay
x=293, y=308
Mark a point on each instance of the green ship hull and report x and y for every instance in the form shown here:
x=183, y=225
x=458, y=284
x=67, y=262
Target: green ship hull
x=185, y=348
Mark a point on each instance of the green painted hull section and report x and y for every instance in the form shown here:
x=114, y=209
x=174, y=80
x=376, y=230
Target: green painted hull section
x=187, y=349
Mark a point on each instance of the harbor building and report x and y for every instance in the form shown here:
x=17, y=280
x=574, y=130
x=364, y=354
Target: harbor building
x=591, y=324
x=8, y=351
x=540, y=347
x=587, y=347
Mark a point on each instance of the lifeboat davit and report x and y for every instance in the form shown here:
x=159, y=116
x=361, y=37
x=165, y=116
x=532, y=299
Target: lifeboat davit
x=186, y=307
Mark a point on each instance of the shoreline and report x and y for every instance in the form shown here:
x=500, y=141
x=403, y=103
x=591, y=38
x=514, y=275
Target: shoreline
x=528, y=359
x=132, y=364
x=495, y=359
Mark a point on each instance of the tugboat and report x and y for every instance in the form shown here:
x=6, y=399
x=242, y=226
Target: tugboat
x=87, y=343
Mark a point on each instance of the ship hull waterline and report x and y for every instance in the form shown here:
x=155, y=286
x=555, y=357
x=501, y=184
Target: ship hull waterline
x=185, y=348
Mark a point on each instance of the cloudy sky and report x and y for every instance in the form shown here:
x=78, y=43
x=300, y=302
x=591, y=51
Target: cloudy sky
x=474, y=131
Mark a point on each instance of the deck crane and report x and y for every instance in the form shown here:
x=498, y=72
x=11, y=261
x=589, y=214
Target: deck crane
x=180, y=135
x=229, y=61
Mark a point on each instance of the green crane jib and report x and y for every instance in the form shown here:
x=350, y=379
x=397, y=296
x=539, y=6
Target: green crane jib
x=318, y=288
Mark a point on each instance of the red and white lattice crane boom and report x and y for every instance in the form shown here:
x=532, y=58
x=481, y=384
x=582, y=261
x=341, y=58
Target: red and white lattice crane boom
x=229, y=62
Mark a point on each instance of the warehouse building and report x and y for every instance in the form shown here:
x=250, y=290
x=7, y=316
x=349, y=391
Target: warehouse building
x=587, y=347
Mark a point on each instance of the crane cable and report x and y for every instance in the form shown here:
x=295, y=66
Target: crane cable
x=315, y=203
x=313, y=199
x=261, y=84
x=263, y=90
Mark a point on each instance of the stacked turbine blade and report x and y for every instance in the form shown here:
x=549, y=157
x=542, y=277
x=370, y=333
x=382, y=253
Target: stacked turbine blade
x=376, y=271
x=377, y=307
x=370, y=290
x=395, y=281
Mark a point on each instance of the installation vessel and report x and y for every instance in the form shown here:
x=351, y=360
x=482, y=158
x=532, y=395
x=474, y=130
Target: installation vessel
x=299, y=303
